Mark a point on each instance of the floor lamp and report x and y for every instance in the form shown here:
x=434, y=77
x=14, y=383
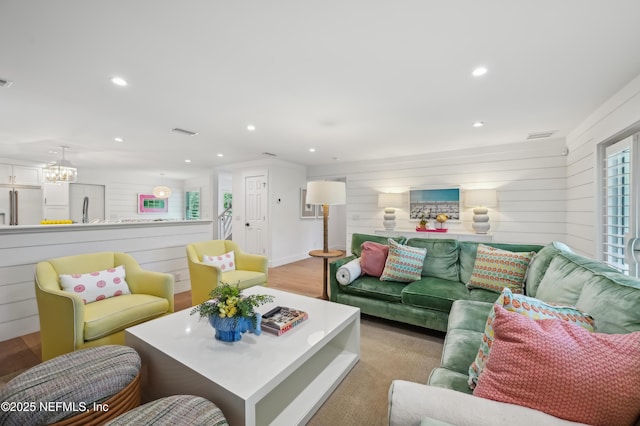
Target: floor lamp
x=325, y=193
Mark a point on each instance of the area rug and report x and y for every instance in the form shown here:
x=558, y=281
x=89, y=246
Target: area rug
x=388, y=351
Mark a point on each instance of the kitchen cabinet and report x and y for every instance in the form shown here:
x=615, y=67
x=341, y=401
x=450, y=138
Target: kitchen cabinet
x=11, y=174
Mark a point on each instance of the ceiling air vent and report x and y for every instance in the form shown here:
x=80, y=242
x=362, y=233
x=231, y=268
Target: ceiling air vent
x=270, y=154
x=184, y=132
x=540, y=135
x=5, y=83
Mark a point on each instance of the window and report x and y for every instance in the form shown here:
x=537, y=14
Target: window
x=617, y=187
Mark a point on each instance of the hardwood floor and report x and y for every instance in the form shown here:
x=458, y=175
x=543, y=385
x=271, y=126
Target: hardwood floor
x=302, y=277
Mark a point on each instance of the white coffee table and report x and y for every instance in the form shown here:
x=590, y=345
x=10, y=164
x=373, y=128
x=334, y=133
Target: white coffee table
x=260, y=380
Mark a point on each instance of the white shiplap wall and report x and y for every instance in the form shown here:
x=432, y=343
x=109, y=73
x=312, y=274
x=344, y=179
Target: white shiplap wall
x=156, y=246
x=530, y=178
x=618, y=116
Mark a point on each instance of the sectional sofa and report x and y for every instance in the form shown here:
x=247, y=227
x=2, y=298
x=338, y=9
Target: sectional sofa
x=602, y=381
x=427, y=302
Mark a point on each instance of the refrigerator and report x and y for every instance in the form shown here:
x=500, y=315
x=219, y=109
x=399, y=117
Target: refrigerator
x=20, y=206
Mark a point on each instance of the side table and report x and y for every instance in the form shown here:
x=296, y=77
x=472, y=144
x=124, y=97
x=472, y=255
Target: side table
x=325, y=255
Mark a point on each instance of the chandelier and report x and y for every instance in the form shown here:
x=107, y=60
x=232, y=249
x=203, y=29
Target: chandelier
x=61, y=171
x=161, y=191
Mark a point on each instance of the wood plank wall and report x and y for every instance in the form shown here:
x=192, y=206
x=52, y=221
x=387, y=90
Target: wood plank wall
x=156, y=246
x=530, y=178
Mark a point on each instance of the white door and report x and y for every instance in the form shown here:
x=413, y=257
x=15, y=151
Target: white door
x=255, y=190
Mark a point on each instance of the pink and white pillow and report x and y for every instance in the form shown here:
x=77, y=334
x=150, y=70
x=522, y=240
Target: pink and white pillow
x=96, y=286
x=225, y=262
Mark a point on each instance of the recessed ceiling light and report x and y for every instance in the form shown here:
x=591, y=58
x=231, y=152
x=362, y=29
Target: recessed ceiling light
x=187, y=161
x=220, y=155
x=312, y=150
x=251, y=127
x=478, y=124
x=118, y=139
x=479, y=71
x=119, y=81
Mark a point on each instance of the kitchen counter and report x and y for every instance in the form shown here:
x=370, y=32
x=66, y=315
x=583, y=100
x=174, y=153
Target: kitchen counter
x=156, y=245
x=25, y=229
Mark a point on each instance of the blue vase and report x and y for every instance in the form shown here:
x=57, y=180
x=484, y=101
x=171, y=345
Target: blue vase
x=231, y=329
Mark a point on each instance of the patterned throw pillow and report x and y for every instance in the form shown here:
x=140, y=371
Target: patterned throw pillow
x=226, y=262
x=404, y=263
x=373, y=257
x=98, y=285
x=528, y=307
x=563, y=370
x=496, y=269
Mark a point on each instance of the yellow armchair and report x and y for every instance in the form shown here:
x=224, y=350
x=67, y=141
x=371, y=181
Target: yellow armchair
x=67, y=324
x=251, y=269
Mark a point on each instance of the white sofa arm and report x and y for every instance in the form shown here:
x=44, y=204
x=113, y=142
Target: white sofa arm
x=410, y=402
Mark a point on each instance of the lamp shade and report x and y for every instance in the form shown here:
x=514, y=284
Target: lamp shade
x=326, y=192
x=389, y=200
x=481, y=197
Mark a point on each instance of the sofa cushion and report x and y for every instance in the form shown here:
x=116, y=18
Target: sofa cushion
x=541, y=365
x=468, y=250
x=445, y=378
x=434, y=293
x=528, y=307
x=482, y=295
x=358, y=239
x=495, y=269
x=469, y=315
x=566, y=275
x=540, y=263
x=613, y=300
x=404, y=263
x=373, y=258
x=109, y=316
x=372, y=287
x=441, y=260
x=459, y=351
x=243, y=279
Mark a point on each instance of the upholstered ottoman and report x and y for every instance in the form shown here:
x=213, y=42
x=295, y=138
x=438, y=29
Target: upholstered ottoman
x=173, y=410
x=85, y=387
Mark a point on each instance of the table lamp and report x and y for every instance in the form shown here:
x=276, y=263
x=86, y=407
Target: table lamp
x=389, y=202
x=480, y=199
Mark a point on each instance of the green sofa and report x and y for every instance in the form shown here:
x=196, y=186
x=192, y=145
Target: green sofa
x=426, y=302
x=556, y=275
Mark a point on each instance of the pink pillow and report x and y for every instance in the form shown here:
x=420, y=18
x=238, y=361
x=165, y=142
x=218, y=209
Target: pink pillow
x=563, y=370
x=98, y=285
x=373, y=258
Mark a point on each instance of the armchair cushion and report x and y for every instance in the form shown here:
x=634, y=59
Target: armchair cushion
x=96, y=285
x=115, y=314
x=244, y=279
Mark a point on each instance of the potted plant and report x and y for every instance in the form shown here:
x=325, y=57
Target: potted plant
x=231, y=313
x=423, y=222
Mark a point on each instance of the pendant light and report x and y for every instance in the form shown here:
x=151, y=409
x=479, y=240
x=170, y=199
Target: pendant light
x=161, y=191
x=61, y=171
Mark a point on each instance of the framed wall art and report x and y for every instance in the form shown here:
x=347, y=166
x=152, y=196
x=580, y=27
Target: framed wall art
x=307, y=211
x=148, y=203
x=431, y=202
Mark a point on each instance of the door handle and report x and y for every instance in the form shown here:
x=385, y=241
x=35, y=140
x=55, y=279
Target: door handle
x=247, y=224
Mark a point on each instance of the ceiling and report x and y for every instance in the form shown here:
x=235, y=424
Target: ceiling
x=354, y=79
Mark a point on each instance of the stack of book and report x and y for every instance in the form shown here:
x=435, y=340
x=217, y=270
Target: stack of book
x=282, y=319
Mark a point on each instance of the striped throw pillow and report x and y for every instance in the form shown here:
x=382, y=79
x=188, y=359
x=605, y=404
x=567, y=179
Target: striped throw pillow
x=496, y=269
x=404, y=263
